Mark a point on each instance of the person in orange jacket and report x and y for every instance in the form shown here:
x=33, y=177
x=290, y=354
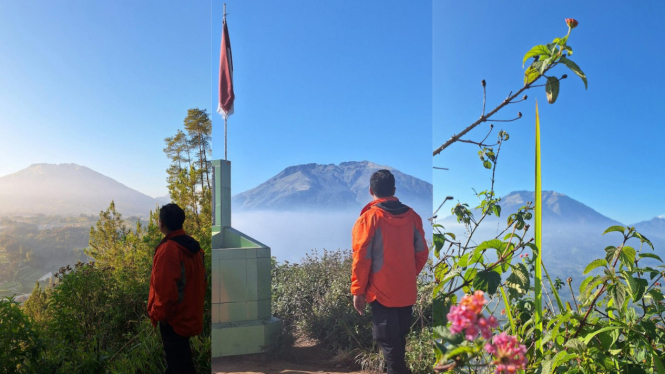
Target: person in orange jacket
x=177, y=290
x=389, y=251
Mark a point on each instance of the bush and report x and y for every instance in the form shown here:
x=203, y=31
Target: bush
x=20, y=343
x=314, y=301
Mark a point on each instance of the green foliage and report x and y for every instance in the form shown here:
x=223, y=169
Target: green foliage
x=546, y=57
x=312, y=298
x=19, y=340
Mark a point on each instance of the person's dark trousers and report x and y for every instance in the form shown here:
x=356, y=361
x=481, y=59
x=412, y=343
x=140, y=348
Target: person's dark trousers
x=389, y=329
x=177, y=351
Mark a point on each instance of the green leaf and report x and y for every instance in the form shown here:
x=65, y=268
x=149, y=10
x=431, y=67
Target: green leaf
x=440, y=348
x=594, y=264
x=627, y=257
x=541, y=66
x=656, y=295
x=642, y=238
x=487, y=164
x=458, y=351
x=470, y=273
x=561, y=41
x=620, y=229
x=487, y=281
x=530, y=75
x=552, y=89
x=610, y=252
x=463, y=261
x=497, y=210
x=650, y=255
x=539, y=50
x=618, y=294
x=439, y=240
x=563, y=357
x=518, y=282
x=585, y=282
x=576, y=69
x=450, y=275
x=659, y=364
x=493, y=243
x=576, y=345
x=588, y=338
x=636, y=287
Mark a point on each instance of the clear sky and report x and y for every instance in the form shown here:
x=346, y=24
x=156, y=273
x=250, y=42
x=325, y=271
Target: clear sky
x=100, y=84
x=325, y=82
x=600, y=146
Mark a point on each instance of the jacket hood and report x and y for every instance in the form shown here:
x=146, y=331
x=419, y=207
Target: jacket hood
x=181, y=238
x=189, y=243
x=393, y=207
x=390, y=205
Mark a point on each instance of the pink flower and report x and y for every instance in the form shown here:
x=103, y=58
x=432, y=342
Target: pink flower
x=571, y=22
x=508, y=353
x=467, y=317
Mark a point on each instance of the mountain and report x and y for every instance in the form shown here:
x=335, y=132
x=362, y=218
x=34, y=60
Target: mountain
x=329, y=187
x=68, y=189
x=163, y=200
x=652, y=228
x=558, y=210
x=572, y=232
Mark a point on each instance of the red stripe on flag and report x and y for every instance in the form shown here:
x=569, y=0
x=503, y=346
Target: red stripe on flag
x=226, y=95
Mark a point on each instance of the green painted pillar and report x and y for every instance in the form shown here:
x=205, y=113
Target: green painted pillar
x=241, y=295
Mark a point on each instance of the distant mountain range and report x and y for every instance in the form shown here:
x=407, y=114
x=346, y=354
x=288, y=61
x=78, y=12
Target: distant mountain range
x=329, y=187
x=68, y=189
x=572, y=232
x=563, y=211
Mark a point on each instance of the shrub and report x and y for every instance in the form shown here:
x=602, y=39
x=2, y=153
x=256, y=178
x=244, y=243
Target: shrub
x=20, y=344
x=314, y=301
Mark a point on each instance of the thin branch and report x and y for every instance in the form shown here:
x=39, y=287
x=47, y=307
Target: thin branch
x=484, y=98
x=479, y=144
x=519, y=101
x=558, y=79
x=484, y=118
x=519, y=115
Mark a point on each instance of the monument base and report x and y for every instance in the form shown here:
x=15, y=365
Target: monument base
x=239, y=338
x=241, y=277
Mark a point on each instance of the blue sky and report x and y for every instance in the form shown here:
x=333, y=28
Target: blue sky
x=100, y=84
x=599, y=146
x=325, y=82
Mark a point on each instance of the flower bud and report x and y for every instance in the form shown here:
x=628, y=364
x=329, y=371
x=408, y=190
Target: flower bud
x=482, y=82
x=564, y=76
x=571, y=22
x=524, y=97
x=519, y=114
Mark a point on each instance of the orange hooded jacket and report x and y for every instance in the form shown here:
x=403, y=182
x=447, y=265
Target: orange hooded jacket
x=389, y=251
x=178, y=284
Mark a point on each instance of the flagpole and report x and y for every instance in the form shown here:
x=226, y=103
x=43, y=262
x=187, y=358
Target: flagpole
x=225, y=139
x=225, y=117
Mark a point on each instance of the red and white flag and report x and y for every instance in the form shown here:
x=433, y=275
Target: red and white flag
x=226, y=95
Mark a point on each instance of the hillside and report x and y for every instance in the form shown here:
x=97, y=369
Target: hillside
x=67, y=189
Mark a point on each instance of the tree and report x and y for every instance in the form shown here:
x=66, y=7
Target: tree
x=199, y=129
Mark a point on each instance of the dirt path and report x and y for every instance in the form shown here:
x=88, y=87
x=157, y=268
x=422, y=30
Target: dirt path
x=307, y=358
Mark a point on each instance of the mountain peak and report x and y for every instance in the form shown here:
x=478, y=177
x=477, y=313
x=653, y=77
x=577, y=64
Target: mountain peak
x=67, y=189
x=558, y=209
x=330, y=186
